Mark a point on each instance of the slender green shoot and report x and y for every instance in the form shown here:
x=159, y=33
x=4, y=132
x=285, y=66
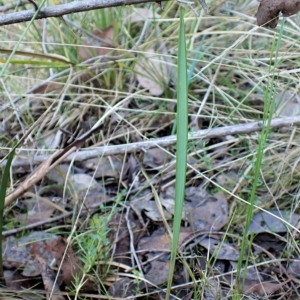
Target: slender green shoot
x=269, y=107
x=181, y=147
x=3, y=186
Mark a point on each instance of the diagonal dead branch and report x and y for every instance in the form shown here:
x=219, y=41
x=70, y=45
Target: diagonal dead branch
x=40, y=172
x=245, y=128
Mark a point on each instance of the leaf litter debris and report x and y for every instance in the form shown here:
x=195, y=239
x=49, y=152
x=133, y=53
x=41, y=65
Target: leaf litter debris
x=138, y=251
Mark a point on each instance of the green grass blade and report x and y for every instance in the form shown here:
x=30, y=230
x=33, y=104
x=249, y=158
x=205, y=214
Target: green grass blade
x=181, y=146
x=269, y=108
x=3, y=186
x=13, y=52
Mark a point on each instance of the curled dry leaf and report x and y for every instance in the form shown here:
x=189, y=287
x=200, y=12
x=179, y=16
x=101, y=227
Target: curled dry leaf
x=84, y=185
x=149, y=207
x=268, y=11
x=151, y=72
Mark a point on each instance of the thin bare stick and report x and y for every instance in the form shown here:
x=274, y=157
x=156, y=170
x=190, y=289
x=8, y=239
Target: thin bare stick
x=161, y=142
x=64, y=9
x=36, y=224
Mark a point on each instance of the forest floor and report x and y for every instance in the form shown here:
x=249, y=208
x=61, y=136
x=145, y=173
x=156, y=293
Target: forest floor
x=96, y=224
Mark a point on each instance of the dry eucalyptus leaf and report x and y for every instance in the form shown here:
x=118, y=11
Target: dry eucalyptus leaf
x=107, y=166
x=156, y=158
x=119, y=236
x=157, y=270
x=151, y=72
x=252, y=273
x=294, y=267
x=84, y=185
x=82, y=181
x=220, y=249
x=265, y=241
x=288, y=104
x=125, y=287
x=21, y=252
x=38, y=210
x=49, y=278
x=71, y=265
x=50, y=140
x=160, y=240
x=266, y=222
x=228, y=179
x=154, y=252
x=202, y=211
x=213, y=289
x=149, y=207
x=268, y=11
x=192, y=193
x=261, y=287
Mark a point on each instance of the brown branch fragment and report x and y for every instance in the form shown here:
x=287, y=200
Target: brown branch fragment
x=40, y=172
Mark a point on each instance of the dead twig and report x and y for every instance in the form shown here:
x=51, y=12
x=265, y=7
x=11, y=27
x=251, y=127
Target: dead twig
x=57, y=157
x=245, y=128
x=13, y=5
x=64, y=9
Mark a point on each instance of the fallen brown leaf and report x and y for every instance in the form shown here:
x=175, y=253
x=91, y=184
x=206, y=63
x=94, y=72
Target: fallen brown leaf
x=268, y=11
x=49, y=278
x=22, y=252
x=70, y=265
x=262, y=288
